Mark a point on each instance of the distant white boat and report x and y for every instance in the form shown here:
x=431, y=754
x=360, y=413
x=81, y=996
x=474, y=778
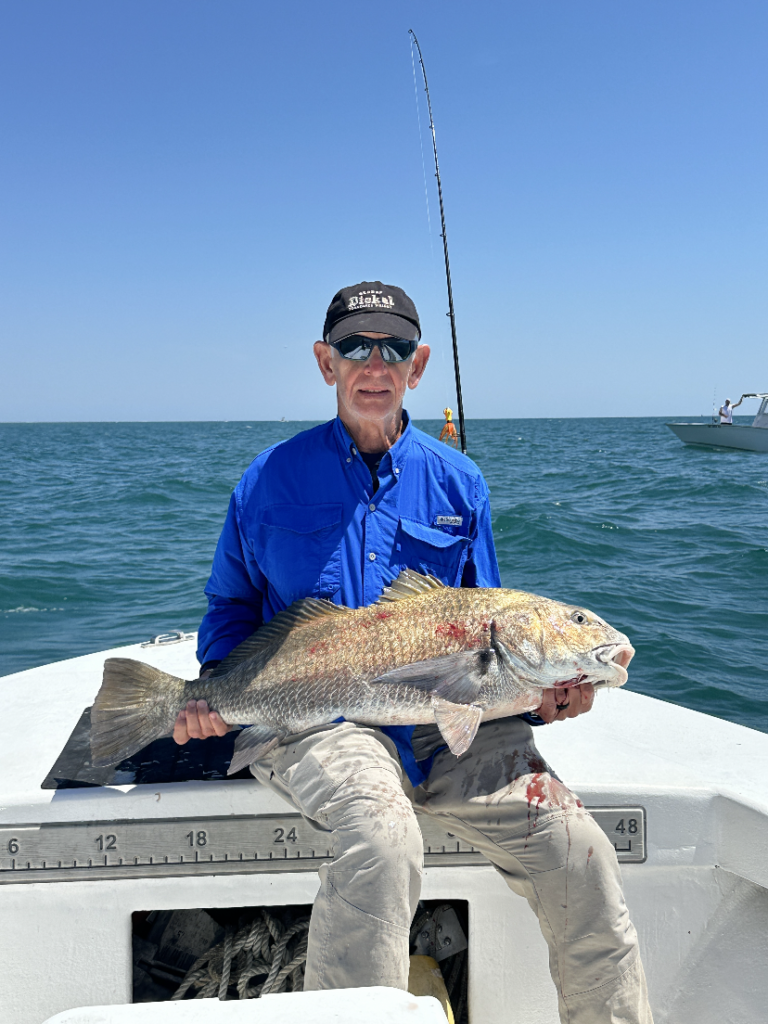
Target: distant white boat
x=752, y=438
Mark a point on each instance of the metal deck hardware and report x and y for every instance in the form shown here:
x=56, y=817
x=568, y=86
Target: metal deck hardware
x=176, y=636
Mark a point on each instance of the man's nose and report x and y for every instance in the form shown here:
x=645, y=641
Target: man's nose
x=375, y=362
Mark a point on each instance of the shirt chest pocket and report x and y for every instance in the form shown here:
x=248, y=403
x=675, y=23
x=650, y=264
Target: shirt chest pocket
x=432, y=551
x=297, y=548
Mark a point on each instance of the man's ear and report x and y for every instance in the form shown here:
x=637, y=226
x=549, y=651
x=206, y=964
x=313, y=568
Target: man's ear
x=323, y=353
x=418, y=366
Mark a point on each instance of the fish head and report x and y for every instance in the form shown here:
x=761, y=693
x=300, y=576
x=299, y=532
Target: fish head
x=555, y=644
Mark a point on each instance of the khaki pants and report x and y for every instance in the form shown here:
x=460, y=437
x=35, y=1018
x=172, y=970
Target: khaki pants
x=502, y=798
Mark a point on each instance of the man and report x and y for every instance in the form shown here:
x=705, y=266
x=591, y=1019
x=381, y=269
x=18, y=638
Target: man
x=726, y=411
x=336, y=512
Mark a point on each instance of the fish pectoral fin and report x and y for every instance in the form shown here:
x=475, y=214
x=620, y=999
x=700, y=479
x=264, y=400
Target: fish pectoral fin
x=251, y=744
x=458, y=723
x=455, y=677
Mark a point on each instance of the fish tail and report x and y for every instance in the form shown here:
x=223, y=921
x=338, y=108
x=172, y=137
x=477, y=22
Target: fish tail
x=135, y=705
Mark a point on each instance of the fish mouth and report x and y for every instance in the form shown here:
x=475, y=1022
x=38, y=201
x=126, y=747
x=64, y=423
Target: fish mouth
x=611, y=660
x=619, y=654
x=616, y=658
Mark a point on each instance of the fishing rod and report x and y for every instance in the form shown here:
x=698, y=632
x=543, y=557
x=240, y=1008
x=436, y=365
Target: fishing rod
x=451, y=314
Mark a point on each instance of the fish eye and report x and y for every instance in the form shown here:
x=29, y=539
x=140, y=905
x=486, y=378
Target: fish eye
x=578, y=617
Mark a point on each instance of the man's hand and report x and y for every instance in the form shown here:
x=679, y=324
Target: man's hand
x=577, y=700
x=196, y=722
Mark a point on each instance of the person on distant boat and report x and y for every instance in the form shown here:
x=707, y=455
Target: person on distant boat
x=448, y=433
x=336, y=512
x=726, y=411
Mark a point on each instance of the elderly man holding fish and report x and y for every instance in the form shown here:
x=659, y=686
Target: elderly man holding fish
x=420, y=700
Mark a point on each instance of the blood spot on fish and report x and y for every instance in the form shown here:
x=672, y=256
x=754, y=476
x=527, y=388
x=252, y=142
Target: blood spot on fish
x=452, y=629
x=590, y=851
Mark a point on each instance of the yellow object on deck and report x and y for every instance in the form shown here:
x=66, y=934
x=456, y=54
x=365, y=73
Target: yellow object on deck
x=426, y=979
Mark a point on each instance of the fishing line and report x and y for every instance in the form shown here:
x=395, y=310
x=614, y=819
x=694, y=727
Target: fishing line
x=444, y=235
x=444, y=370
x=423, y=164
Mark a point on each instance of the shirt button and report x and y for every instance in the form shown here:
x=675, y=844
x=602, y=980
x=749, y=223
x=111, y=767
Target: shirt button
x=372, y=507
x=349, y=459
x=397, y=471
x=372, y=556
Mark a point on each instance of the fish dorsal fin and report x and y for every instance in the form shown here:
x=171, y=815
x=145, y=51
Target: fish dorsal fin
x=410, y=584
x=309, y=609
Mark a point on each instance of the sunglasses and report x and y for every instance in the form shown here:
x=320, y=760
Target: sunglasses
x=359, y=348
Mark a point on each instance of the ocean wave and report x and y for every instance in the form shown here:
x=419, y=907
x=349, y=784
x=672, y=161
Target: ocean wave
x=21, y=610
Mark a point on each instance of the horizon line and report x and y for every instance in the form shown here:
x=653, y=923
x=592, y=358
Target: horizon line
x=420, y=419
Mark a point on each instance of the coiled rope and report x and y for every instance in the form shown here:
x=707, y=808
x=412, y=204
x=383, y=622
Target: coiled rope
x=261, y=947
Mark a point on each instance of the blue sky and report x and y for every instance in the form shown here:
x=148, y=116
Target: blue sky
x=186, y=183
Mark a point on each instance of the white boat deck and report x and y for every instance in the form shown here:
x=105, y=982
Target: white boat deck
x=700, y=899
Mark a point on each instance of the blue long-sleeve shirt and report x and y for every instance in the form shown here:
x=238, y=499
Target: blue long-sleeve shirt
x=304, y=521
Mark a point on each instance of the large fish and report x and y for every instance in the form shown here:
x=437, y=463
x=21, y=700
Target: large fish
x=424, y=653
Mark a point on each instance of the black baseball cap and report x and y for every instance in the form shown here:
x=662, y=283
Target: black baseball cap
x=371, y=306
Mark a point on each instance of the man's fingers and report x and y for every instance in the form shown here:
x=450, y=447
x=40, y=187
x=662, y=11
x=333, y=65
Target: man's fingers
x=196, y=722
x=220, y=727
x=204, y=718
x=193, y=722
x=547, y=711
x=577, y=698
x=180, y=733
x=581, y=699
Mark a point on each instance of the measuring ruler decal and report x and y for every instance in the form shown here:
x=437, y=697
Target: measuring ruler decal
x=227, y=845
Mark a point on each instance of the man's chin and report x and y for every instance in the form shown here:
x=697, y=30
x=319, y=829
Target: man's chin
x=380, y=404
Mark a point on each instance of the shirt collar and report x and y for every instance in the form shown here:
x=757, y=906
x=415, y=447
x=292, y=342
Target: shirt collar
x=398, y=453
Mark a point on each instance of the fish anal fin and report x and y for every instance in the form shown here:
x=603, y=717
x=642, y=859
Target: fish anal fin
x=409, y=584
x=251, y=744
x=309, y=609
x=458, y=723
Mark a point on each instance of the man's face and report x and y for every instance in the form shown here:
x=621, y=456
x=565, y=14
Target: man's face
x=372, y=390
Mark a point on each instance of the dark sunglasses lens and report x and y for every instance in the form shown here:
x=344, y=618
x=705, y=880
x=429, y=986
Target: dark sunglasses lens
x=354, y=347
x=393, y=350
x=396, y=350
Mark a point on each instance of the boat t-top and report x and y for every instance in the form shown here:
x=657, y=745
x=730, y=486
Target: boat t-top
x=751, y=438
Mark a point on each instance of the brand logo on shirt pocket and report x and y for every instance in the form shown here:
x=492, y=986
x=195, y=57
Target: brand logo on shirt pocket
x=449, y=520
x=432, y=551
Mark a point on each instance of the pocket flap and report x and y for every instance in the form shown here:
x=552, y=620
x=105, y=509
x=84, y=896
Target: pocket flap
x=302, y=518
x=429, y=535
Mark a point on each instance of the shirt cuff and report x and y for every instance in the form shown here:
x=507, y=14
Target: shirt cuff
x=532, y=718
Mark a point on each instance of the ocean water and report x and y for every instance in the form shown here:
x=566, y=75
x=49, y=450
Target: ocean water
x=107, y=531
